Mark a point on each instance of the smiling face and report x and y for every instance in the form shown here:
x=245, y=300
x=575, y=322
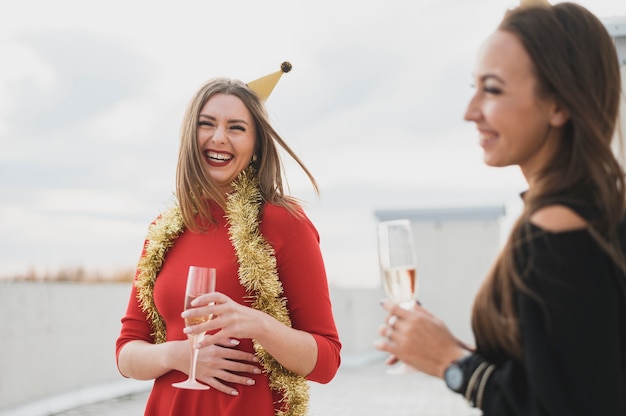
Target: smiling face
x=226, y=138
x=516, y=125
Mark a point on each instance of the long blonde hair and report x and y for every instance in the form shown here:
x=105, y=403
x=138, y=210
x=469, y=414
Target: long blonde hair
x=194, y=186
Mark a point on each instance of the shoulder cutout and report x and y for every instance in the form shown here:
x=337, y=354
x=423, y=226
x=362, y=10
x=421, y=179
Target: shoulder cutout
x=557, y=218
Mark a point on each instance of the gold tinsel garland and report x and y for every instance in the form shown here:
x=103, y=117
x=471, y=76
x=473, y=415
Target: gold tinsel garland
x=257, y=273
x=161, y=236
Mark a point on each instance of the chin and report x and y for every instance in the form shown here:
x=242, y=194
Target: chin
x=494, y=163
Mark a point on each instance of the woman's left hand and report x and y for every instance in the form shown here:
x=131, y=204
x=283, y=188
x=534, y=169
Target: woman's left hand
x=229, y=321
x=419, y=339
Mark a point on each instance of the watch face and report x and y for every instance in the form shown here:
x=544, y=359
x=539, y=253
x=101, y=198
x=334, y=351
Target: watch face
x=454, y=377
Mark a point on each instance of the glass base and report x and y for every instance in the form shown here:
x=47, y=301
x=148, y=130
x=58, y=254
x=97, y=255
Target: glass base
x=191, y=384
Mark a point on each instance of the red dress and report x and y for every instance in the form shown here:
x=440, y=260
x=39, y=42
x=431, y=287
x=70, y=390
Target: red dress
x=301, y=270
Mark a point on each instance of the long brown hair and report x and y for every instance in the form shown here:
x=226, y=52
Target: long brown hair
x=575, y=62
x=194, y=185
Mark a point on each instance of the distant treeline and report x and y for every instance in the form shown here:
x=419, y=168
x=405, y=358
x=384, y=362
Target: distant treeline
x=77, y=274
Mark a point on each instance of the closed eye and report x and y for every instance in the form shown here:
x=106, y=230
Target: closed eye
x=492, y=90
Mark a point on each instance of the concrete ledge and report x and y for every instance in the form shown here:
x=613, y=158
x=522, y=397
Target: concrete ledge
x=81, y=397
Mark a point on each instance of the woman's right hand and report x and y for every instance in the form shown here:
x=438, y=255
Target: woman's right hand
x=419, y=339
x=218, y=364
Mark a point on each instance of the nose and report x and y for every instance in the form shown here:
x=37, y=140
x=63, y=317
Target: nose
x=219, y=135
x=472, y=112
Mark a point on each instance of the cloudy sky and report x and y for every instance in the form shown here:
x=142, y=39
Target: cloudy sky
x=92, y=94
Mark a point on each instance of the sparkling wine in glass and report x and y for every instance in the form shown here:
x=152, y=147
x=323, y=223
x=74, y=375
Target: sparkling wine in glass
x=398, y=265
x=200, y=281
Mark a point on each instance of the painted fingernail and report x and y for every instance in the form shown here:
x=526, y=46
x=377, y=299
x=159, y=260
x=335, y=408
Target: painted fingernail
x=186, y=330
x=234, y=341
x=184, y=314
x=234, y=393
x=257, y=371
x=249, y=382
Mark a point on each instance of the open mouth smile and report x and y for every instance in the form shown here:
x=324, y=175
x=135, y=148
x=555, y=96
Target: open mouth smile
x=218, y=158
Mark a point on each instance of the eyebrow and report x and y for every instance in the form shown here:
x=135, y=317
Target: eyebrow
x=233, y=121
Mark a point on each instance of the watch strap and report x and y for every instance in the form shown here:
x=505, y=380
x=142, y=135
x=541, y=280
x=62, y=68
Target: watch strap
x=476, y=372
x=468, y=365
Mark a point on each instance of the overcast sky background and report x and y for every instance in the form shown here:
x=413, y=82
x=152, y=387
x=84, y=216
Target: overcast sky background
x=92, y=95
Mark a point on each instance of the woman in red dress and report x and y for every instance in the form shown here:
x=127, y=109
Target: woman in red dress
x=273, y=330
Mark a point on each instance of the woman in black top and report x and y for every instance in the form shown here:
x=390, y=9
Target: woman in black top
x=550, y=318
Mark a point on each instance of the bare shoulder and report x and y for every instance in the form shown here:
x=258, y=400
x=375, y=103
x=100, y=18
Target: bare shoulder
x=557, y=218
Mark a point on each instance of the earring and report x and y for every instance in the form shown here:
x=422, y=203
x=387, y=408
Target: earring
x=253, y=159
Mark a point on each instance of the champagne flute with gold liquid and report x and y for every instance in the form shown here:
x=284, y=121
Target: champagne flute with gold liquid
x=398, y=265
x=200, y=281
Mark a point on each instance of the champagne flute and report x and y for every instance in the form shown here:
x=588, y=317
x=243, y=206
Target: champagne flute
x=398, y=265
x=200, y=281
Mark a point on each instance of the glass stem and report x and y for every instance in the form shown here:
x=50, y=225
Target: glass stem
x=194, y=358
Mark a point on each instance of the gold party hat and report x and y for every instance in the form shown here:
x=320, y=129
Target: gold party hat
x=529, y=3
x=263, y=86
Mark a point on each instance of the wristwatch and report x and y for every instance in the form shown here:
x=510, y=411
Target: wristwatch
x=457, y=374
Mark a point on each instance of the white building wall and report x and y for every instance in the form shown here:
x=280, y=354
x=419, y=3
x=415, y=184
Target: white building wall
x=453, y=259
x=57, y=337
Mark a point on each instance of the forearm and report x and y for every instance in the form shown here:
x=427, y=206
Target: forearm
x=294, y=349
x=146, y=361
